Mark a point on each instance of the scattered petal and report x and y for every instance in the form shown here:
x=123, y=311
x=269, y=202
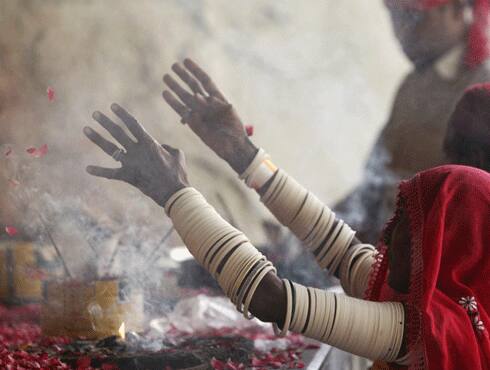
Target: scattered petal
x=11, y=230
x=38, y=152
x=14, y=182
x=43, y=150
x=217, y=364
x=51, y=94
x=249, y=129
x=109, y=367
x=230, y=365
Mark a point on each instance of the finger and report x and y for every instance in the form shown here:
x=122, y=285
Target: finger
x=185, y=96
x=188, y=79
x=203, y=78
x=108, y=147
x=173, y=151
x=131, y=123
x=108, y=173
x=218, y=105
x=115, y=130
x=176, y=105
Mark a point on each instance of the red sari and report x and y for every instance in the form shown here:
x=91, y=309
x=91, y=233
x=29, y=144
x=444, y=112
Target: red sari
x=449, y=213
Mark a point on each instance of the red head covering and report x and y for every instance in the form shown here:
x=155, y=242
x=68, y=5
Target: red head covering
x=449, y=213
x=478, y=44
x=471, y=118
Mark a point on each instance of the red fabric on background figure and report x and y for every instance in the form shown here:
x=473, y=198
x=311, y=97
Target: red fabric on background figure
x=449, y=212
x=477, y=44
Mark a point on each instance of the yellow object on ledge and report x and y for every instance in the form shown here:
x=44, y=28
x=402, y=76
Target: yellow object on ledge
x=20, y=274
x=92, y=310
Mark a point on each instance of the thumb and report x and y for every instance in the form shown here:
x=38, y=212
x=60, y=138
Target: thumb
x=173, y=151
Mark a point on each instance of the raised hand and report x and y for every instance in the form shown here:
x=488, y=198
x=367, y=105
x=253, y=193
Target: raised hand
x=157, y=170
x=204, y=108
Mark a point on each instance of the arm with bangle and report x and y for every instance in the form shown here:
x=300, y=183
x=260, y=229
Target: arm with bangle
x=369, y=329
x=331, y=241
x=214, y=120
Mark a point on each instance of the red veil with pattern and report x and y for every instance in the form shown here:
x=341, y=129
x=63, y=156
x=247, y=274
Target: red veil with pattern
x=449, y=213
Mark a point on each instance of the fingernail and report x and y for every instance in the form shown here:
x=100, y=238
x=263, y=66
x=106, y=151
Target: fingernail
x=115, y=106
x=87, y=130
x=96, y=115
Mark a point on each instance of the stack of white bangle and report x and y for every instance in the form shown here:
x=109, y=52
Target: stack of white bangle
x=315, y=225
x=223, y=250
x=310, y=220
x=369, y=329
x=355, y=269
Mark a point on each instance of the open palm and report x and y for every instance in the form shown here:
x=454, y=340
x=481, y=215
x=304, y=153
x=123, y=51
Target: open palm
x=204, y=108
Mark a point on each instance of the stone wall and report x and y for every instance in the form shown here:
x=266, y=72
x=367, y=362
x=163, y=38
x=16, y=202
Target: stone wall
x=316, y=78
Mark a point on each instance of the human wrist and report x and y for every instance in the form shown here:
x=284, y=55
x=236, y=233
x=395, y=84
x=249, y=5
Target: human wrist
x=242, y=156
x=162, y=198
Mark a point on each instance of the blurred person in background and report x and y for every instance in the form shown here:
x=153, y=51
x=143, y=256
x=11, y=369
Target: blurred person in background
x=467, y=139
x=446, y=42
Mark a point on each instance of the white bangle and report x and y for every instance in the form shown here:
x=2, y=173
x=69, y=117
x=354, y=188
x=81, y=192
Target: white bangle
x=289, y=309
x=245, y=286
x=261, y=175
x=260, y=170
x=261, y=275
x=259, y=157
x=368, y=329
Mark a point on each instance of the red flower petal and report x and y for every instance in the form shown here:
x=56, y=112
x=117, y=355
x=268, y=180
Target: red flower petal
x=38, y=152
x=109, y=367
x=300, y=365
x=256, y=362
x=249, y=129
x=43, y=150
x=230, y=365
x=11, y=231
x=84, y=362
x=217, y=364
x=14, y=182
x=275, y=364
x=51, y=94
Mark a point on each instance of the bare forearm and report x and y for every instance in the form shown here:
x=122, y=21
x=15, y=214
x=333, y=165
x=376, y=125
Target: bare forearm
x=269, y=301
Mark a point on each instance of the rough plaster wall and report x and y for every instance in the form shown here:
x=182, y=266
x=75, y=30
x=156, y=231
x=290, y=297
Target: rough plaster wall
x=315, y=77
